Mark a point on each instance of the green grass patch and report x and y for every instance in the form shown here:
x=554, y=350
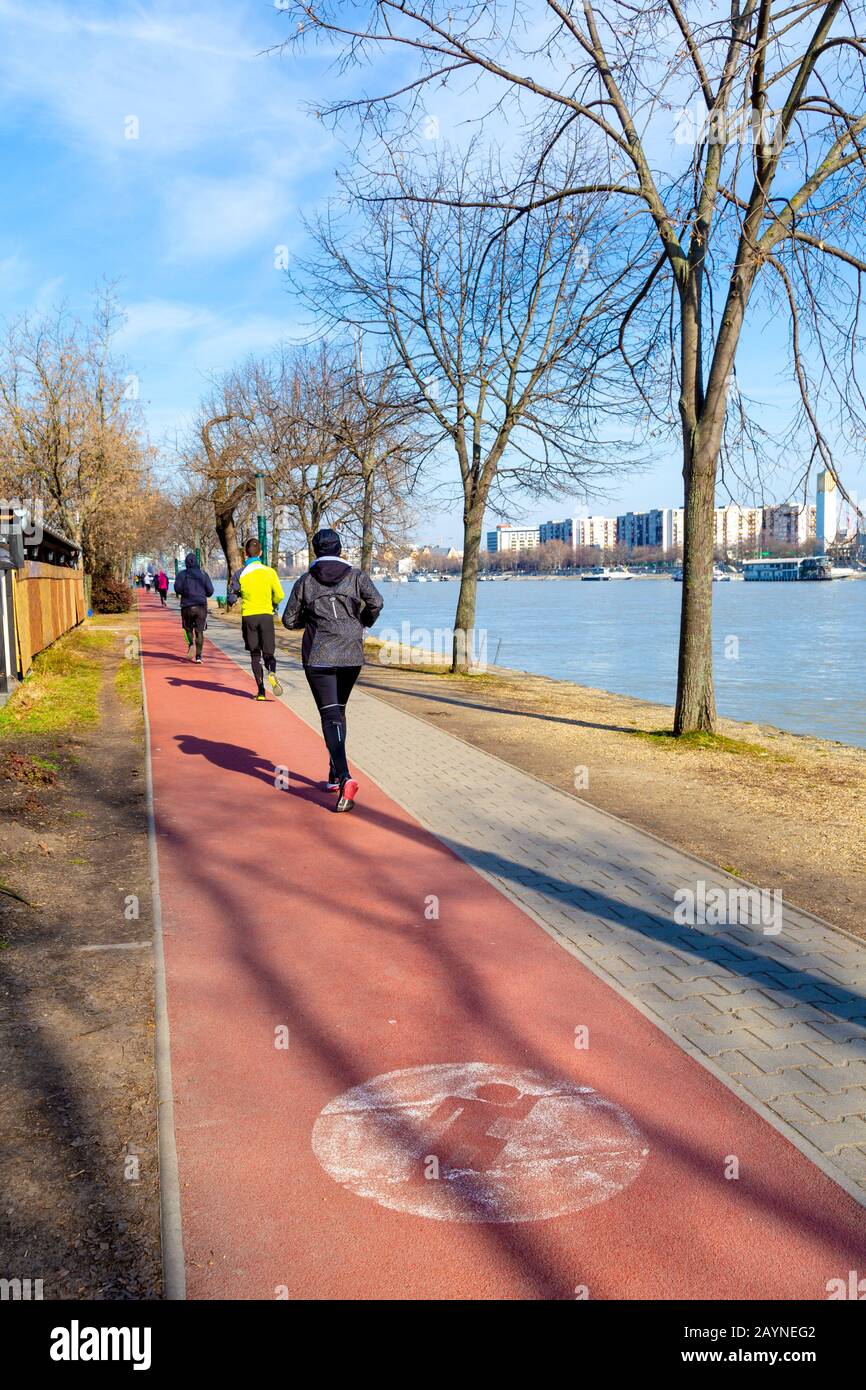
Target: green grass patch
x=21, y=767
x=90, y=639
x=127, y=683
x=62, y=691
x=705, y=742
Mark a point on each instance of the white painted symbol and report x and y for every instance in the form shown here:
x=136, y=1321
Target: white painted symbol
x=509, y=1144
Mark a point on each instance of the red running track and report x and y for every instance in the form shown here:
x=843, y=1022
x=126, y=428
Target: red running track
x=303, y=961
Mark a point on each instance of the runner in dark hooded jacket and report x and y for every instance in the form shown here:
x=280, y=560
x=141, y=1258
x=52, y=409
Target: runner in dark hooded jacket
x=193, y=587
x=333, y=603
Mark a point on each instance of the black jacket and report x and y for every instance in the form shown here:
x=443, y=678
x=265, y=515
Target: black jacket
x=333, y=603
x=193, y=585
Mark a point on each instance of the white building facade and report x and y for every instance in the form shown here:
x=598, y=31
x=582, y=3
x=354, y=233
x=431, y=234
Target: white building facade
x=596, y=532
x=826, y=509
x=513, y=538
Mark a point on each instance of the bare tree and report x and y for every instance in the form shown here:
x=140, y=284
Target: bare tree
x=376, y=426
x=193, y=518
x=771, y=185
x=288, y=401
x=499, y=329
x=72, y=436
x=220, y=456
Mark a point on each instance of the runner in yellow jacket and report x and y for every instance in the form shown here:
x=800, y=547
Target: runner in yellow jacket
x=259, y=590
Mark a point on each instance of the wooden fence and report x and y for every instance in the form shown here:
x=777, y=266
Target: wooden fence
x=48, y=601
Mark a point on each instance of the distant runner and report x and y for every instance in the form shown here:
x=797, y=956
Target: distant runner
x=258, y=587
x=162, y=586
x=193, y=587
x=333, y=603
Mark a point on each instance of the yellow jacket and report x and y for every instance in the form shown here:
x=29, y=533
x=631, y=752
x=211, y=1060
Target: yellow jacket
x=258, y=588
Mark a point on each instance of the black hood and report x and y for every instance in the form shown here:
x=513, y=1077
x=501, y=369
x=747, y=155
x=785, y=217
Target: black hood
x=326, y=542
x=190, y=561
x=330, y=571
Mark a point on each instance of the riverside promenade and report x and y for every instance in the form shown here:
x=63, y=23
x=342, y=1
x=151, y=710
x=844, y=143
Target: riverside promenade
x=453, y=1044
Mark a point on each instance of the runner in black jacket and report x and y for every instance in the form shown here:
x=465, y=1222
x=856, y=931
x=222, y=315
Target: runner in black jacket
x=193, y=587
x=333, y=603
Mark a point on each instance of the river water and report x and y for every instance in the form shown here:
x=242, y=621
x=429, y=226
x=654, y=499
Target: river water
x=793, y=655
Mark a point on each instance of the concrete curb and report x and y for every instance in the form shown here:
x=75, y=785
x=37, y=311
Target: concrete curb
x=173, y=1265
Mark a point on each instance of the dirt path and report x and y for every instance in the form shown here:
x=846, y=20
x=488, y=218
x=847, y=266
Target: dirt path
x=80, y=1206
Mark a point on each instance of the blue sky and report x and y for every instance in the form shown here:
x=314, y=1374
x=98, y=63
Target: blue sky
x=187, y=215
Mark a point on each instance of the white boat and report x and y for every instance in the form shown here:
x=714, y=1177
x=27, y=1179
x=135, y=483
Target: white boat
x=720, y=576
x=603, y=572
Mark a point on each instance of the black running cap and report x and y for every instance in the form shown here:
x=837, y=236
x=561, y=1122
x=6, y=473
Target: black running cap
x=326, y=542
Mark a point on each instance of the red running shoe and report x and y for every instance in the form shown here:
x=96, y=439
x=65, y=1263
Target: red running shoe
x=348, y=793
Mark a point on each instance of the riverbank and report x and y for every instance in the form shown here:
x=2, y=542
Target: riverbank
x=781, y=810
x=80, y=1208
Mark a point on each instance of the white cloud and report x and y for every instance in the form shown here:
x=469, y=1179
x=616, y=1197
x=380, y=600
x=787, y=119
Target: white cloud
x=212, y=218
x=192, y=75
x=176, y=348
x=89, y=75
x=13, y=269
x=196, y=338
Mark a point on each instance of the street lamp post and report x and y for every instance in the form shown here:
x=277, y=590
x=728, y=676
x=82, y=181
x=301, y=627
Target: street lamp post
x=262, y=519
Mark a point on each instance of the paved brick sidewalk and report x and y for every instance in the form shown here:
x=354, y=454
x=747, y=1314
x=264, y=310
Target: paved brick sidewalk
x=782, y=1018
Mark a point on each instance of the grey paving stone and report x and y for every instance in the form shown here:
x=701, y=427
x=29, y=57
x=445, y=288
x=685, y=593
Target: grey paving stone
x=787, y=1083
x=835, y=1078
x=776, y=1059
x=852, y=1162
x=827, y=1137
x=836, y=1107
x=792, y=1109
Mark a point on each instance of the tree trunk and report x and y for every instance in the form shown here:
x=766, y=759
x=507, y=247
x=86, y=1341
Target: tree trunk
x=369, y=475
x=228, y=539
x=696, y=703
x=275, y=546
x=464, y=621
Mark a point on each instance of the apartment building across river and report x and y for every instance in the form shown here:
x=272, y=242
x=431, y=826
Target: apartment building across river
x=737, y=531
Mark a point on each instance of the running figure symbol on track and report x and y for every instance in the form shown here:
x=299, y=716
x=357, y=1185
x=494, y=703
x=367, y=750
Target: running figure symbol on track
x=509, y=1143
x=471, y=1128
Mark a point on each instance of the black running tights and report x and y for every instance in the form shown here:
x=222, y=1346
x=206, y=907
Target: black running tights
x=331, y=687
